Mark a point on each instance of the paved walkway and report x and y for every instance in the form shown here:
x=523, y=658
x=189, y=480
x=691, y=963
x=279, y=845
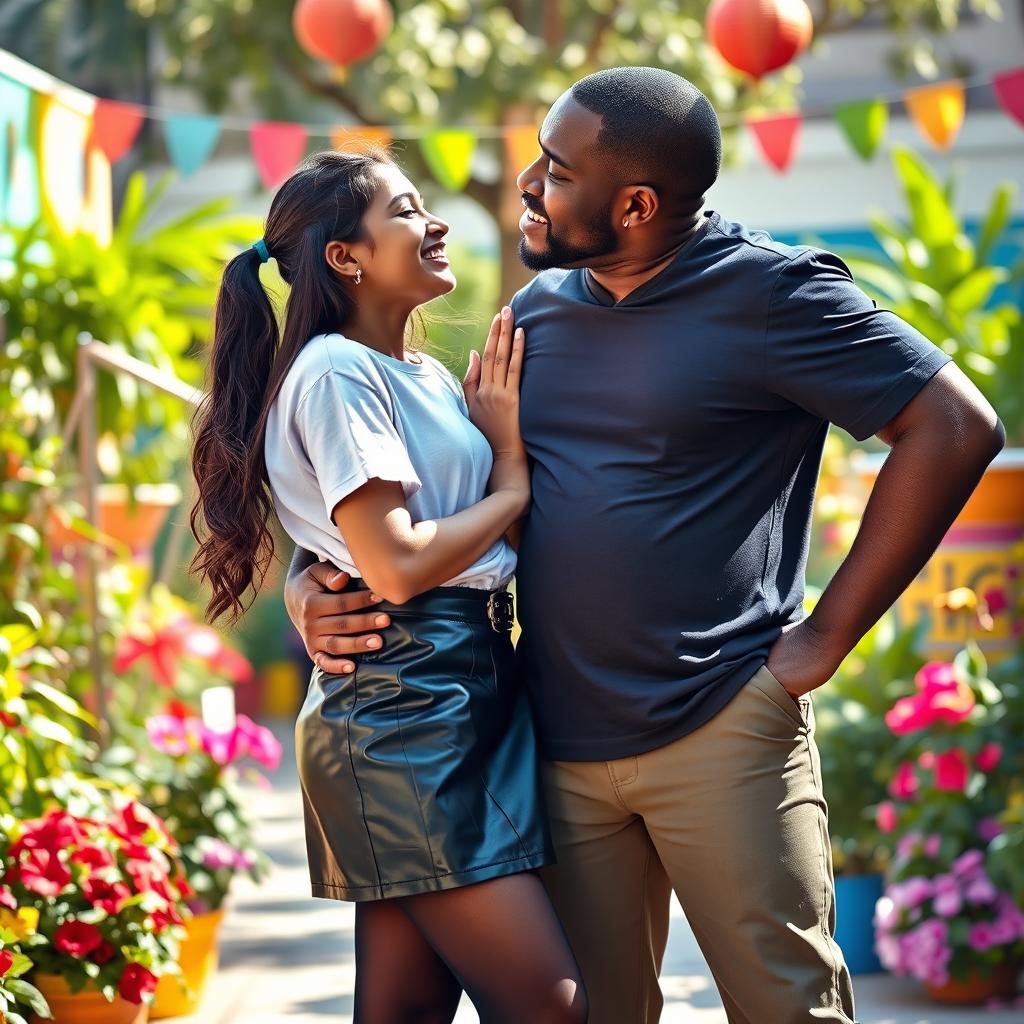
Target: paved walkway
x=288, y=958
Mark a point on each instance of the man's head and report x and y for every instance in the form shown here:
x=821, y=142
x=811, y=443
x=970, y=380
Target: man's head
x=624, y=149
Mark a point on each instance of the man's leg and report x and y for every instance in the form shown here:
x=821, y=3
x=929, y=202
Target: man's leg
x=736, y=813
x=609, y=890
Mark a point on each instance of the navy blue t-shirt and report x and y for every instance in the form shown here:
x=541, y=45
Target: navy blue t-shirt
x=675, y=439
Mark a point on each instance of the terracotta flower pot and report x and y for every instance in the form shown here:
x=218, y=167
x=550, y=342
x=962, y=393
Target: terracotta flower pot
x=198, y=961
x=977, y=552
x=136, y=527
x=1000, y=983
x=85, y=1007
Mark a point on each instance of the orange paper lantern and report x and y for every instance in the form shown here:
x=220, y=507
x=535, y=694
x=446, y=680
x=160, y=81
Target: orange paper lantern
x=341, y=31
x=758, y=36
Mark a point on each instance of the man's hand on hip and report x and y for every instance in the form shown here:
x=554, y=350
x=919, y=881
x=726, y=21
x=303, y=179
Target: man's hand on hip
x=801, y=660
x=332, y=625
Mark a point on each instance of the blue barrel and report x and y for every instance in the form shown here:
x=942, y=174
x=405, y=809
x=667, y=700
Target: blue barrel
x=856, y=896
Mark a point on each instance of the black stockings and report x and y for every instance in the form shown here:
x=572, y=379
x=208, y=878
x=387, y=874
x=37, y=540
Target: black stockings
x=499, y=940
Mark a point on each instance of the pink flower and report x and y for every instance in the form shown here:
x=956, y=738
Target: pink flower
x=886, y=817
x=952, y=770
x=904, y=784
x=980, y=936
x=224, y=747
x=8, y=901
x=932, y=844
x=947, y=903
x=167, y=734
x=262, y=743
x=941, y=697
x=988, y=757
x=969, y=864
x=996, y=600
x=980, y=890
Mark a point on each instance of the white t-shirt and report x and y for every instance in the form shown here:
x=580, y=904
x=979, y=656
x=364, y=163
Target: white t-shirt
x=347, y=414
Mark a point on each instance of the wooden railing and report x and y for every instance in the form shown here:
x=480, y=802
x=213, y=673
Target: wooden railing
x=92, y=356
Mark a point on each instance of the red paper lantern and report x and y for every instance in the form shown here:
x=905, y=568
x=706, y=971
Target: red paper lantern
x=341, y=31
x=758, y=36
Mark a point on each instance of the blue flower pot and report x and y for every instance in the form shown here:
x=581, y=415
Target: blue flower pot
x=856, y=896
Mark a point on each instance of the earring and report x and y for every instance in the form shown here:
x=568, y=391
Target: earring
x=359, y=275
x=625, y=223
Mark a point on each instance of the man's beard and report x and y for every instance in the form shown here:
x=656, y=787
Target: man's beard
x=601, y=241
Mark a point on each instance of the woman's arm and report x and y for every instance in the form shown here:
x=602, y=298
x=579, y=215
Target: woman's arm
x=399, y=558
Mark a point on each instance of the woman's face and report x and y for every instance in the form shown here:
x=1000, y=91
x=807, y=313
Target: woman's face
x=404, y=252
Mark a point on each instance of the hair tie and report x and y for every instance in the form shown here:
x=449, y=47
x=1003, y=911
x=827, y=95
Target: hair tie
x=261, y=247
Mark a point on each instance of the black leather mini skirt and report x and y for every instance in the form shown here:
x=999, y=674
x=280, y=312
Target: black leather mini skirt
x=419, y=770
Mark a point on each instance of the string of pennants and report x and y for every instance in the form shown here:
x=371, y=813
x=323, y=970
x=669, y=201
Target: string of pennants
x=65, y=140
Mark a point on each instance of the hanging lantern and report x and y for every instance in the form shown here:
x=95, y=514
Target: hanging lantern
x=341, y=31
x=759, y=36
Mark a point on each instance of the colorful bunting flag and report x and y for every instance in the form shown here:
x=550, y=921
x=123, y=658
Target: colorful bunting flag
x=115, y=127
x=190, y=140
x=521, y=146
x=937, y=110
x=1009, y=90
x=777, y=137
x=357, y=138
x=63, y=133
x=19, y=166
x=864, y=125
x=449, y=155
x=277, y=147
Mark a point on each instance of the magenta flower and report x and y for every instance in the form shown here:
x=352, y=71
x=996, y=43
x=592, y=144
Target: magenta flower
x=952, y=770
x=167, y=734
x=886, y=817
x=988, y=757
x=904, y=784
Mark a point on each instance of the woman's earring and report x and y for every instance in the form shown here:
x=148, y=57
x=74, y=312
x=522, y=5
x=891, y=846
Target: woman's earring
x=359, y=275
x=625, y=223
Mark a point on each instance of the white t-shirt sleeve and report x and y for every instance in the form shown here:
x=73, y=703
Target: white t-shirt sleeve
x=350, y=438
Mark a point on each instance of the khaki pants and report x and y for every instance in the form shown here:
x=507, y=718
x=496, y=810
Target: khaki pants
x=732, y=818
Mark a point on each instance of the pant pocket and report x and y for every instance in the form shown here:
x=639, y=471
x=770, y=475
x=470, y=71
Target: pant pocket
x=769, y=685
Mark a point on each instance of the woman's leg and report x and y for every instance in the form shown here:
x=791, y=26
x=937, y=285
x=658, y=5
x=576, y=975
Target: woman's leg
x=399, y=978
x=505, y=944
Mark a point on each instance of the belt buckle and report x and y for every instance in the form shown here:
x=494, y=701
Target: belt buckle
x=501, y=611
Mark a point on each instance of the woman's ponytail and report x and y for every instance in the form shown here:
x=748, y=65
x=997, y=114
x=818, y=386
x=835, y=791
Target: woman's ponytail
x=227, y=459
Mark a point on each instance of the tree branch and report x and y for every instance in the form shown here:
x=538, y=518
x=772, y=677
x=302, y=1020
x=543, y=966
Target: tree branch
x=318, y=87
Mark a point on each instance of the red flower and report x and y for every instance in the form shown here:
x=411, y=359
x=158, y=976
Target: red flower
x=53, y=832
x=6, y=959
x=952, y=770
x=104, y=952
x=8, y=719
x=989, y=756
x=42, y=873
x=77, y=939
x=886, y=817
x=94, y=857
x=110, y=896
x=135, y=983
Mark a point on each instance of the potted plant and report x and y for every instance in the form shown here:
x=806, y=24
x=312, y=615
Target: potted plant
x=957, y=756
x=188, y=776
x=148, y=292
x=109, y=892
x=958, y=291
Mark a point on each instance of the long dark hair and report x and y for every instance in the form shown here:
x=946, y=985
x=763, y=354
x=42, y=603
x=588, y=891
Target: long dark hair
x=324, y=200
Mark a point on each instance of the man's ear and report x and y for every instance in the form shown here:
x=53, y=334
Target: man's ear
x=640, y=204
x=339, y=257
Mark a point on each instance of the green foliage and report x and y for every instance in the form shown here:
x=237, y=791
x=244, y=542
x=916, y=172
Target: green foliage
x=941, y=282
x=149, y=293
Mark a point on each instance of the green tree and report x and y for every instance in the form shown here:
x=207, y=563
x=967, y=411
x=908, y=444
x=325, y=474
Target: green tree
x=475, y=62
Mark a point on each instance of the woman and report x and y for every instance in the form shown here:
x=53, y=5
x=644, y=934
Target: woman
x=419, y=776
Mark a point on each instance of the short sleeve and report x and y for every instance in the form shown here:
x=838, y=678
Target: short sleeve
x=831, y=351
x=350, y=438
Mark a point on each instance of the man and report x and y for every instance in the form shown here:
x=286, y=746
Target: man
x=681, y=374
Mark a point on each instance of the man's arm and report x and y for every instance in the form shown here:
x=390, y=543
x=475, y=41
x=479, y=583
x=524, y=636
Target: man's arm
x=941, y=442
